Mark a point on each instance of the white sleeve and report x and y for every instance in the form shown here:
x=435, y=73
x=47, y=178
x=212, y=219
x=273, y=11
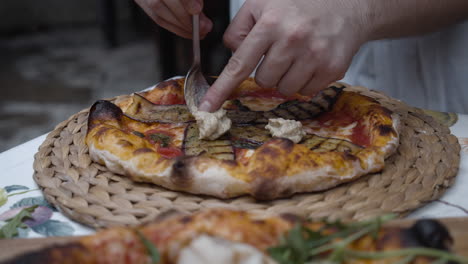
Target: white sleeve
x=428, y=71
x=235, y=6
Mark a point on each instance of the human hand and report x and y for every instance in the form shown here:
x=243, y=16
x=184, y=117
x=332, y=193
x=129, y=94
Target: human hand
x=307, y=44
x=176, y=15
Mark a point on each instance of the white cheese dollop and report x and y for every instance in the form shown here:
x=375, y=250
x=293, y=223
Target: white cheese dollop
x=207, y=249
x=212, y=125
x=285, y=128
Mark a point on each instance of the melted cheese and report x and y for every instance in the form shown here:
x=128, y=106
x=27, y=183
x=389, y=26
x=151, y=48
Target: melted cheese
x=212, y=125
x=290, y=129
x=207, y=249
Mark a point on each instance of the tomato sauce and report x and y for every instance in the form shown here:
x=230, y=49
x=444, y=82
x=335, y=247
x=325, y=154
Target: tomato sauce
x=170, y=152
x=359, y=136
x=337, y=119
x=159, y=131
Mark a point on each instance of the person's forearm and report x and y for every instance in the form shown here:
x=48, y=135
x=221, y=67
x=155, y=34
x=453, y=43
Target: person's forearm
x=401, y=18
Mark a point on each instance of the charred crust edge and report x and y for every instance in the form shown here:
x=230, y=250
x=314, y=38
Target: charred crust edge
x=53, y=254
x=385, y=130
x=103, y=110
x=181, y=175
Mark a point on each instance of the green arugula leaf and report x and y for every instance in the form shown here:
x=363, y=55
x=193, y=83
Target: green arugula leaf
x=330, y=244
x=10, y=229
x=151, y=249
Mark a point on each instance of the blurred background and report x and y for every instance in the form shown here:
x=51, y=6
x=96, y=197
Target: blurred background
x=58, y=57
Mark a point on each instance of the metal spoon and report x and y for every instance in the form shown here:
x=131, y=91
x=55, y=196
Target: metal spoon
x=195, y=85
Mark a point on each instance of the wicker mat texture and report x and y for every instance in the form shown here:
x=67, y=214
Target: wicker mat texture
x=423, y=167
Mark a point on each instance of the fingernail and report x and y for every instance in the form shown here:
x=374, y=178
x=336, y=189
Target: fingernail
x=205, y=106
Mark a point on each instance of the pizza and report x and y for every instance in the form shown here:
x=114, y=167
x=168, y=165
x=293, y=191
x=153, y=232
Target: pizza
x=227, y=236
x=152, y=137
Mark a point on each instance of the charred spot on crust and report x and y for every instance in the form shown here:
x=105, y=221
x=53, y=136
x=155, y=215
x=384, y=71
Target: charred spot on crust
x=292, y=218
x=330, y=99
x=265, y=189
x=181, y=176
x=104, y=110
x=186, y=219
x=269, y=151
x=385, y=130
x=387, y=112
x=286, y=192
x=166, y=215
x=138, y=107
x=348, y=156
x=101, y=131
x=430, y=233
x=68, y=253
x=259, y=222
x=142, y=150
x=337, y=88
x=389, y=238
x=284, y=143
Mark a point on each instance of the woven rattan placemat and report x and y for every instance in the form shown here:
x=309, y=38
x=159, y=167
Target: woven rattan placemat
x=420, y=171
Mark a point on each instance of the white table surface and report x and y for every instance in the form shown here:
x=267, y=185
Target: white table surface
x=16, y=168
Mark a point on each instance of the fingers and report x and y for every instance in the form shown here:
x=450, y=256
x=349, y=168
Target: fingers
x=173, y=28
x=239, y=67
x=183, y=11
x=321, y=79
x=205, y=25
x=180, y=12
x=176, y=15
x=296, y=77
x=273, y=66
x=238, y=29
x=193, y=7
x=313, y=86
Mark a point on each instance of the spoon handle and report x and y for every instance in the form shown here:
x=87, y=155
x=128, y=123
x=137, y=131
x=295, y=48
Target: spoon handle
x=196, y=39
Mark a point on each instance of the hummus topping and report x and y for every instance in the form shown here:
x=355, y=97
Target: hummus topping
x=212, y=125
x=285, y=128
x=208, y=249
